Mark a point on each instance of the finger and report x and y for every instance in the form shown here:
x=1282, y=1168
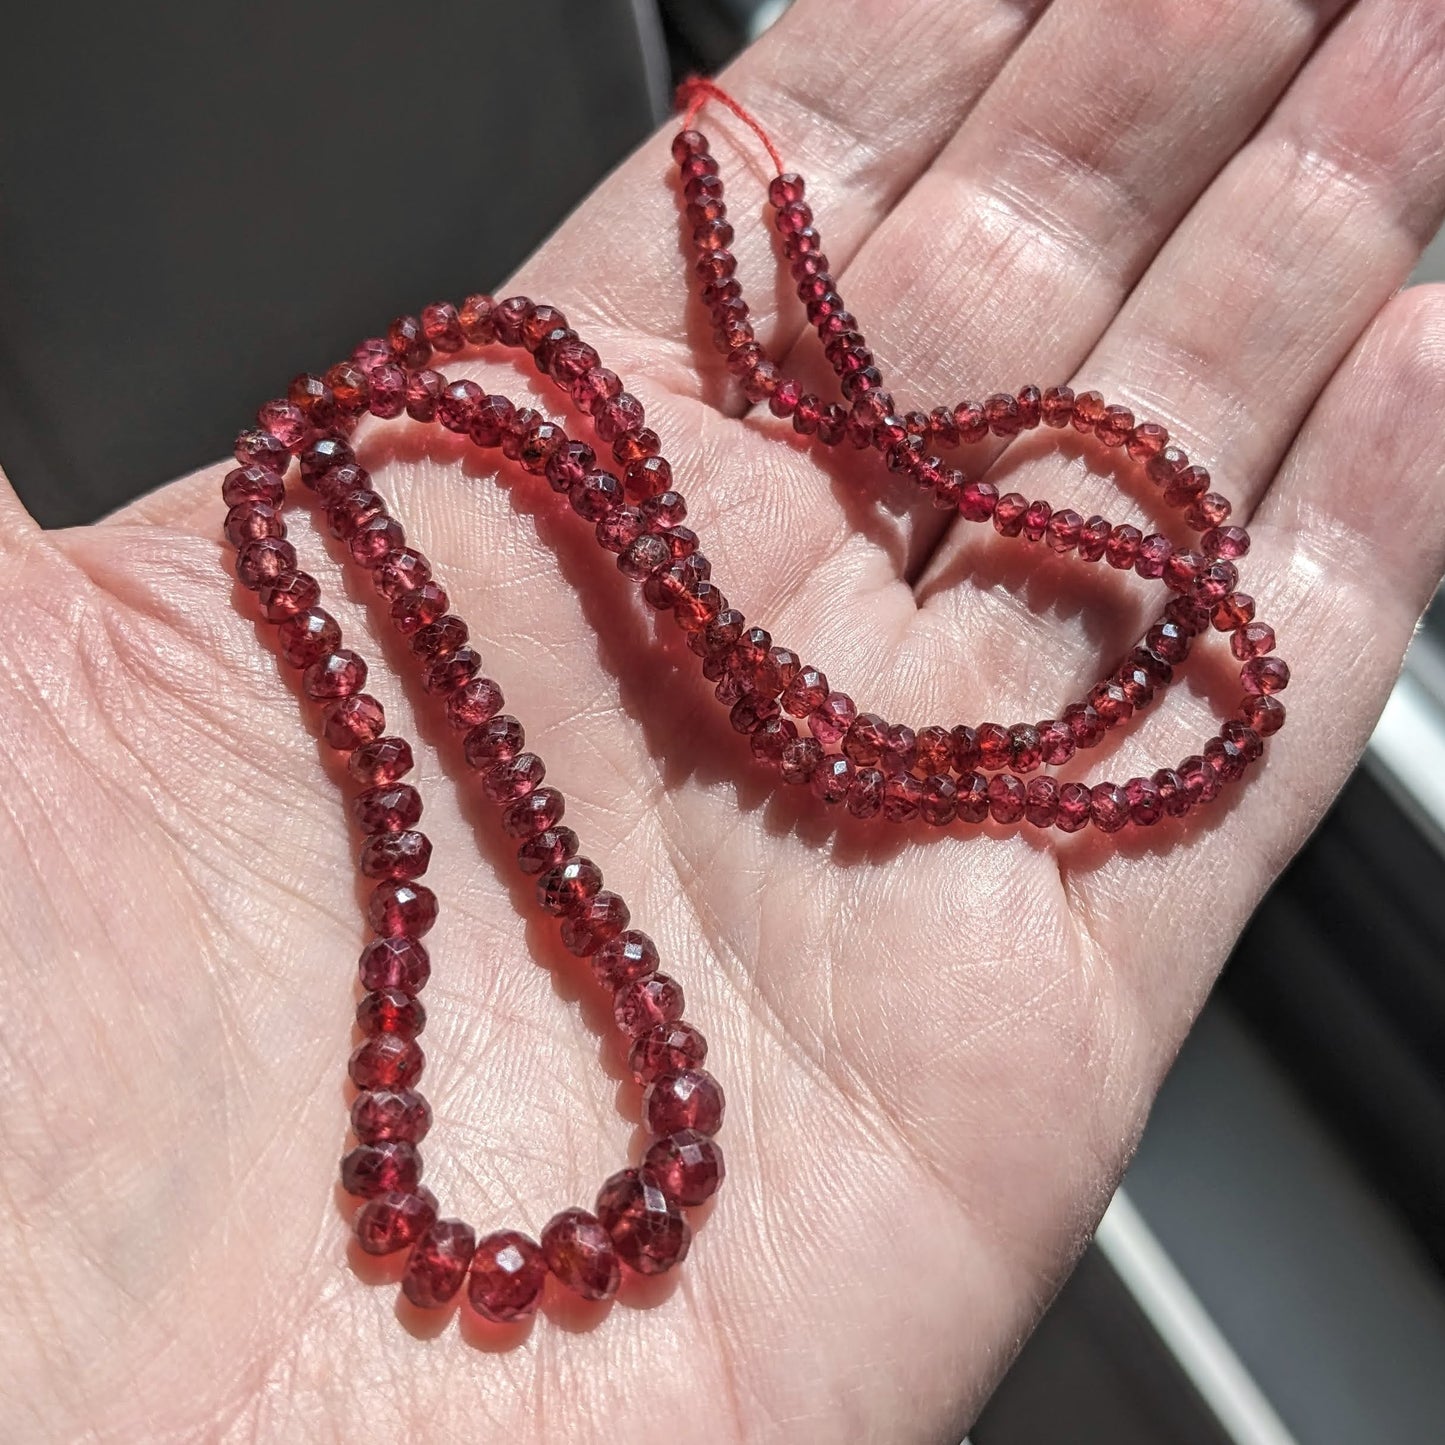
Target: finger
x=17, y=527
x=1350, y=548
x=1011, y=254
x=862, y=105
x=1267, y=284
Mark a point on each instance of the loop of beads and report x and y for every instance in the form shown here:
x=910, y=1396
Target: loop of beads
x=800, y=727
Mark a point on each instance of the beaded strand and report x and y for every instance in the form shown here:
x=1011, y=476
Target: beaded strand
x=799, y=727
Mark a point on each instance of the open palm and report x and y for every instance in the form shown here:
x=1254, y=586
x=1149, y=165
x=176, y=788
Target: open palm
x=938, y=1050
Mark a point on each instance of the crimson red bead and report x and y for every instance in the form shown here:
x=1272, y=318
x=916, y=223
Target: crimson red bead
x=513, y=778
x=381, y=761
x=475, y=702
x=389, y=1010
x=1265, y=675
x=386, y=1061
x=394, y=963
x=666, y=1049
x=687, y=1166
x=438, y=1264
x=337, y=674
x=630, y=956
x=565, y=890
x=393, y=1220
x=381, y=1114
x=399, y=907
x=494, y=741
x=403, y=854
x=648, y=1229
x=1075, y=807
x=506, y=1276
x=689, y=1099
x=546, y=850
x=351, y=721
x=602, y=917
x=581, y=1254
x=644, y=1003
x=373, y=1169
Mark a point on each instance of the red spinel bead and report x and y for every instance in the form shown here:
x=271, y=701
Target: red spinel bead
x=1254, y=639
x=647, y=1228
x=401, y=908
x=646, y=1002
x=476, y=702
x=393, y=1220
x=1108, y=807
x=1006, y=797
x=603, y=916
x=667, y=1049
x=546, y=850
x=564, y=890
x=381, y=761
x=396, y=963
x=440, y=326
x=495, y=741
x=252, y=484
x=404, y=854
x=1264, y=714
x=1041, y=802
x=692, y=1099
x=383, y=1114
x=506, y=1277
x=438, y=1264
x=373, y=1169
x=351, y=721
x=338, y=674
x=687, y=1166
x=440, y=638
x=289, y=594
x=447, y=674
x=387, y=1061
x=252, y=521
x=630, y=956
x=580, y=1252
x=1075, y=807
x=1146, y=807
x=1265, y=675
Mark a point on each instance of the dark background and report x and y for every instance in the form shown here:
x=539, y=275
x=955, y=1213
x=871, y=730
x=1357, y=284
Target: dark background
x=199, y=201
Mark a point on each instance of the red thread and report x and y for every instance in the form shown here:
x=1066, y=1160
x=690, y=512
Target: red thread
x=697, y=90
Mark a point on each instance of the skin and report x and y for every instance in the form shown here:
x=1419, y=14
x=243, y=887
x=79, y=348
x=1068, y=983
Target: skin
x=938, y=1050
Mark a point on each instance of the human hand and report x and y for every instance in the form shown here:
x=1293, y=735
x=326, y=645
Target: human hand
x=938, y=1050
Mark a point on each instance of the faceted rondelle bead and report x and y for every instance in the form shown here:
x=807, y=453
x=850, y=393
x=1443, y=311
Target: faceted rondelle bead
x=688, y=1166
x=630, y=956
x=390, y=1011
x=337, y=674
x=647, y=1228
x=666, y=1049
x=381, y=1114
x=1265, y=675
x=580, y=1252
x=393, y=1220
x=691, y=1099
x=351, y=721
x=505, y=1280
x=402, y=854
x=373, y=1169
x=399, y=963
x=646, y=1002
x=393, y=808
x=438, y=1264
x=601, y=917
x=399, y=907
x=387, y=1061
